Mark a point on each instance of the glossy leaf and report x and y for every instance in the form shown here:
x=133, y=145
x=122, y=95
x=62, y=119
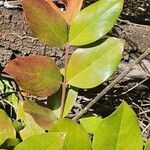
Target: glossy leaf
x=94, y=21
x=120, y=131
x=6, y=128
x=46, y=21
x=147, y=146
x=89, y=67
x=90, y=123
x=72, y=9
x=36, y=75
x=46, y=141
x=76, y=136
x=44, y=117
x=54, y=102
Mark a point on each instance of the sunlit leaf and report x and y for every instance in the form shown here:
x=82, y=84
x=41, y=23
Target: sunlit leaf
x=36, y=75
x=120, y=131
x=46, y=141
x=14, y=100
x=44, y=117
x=147, y=145
x=89, y=67
x=30, y=126
x=46, y=21
x=94, y=21
x=72, y=8
x=6, y=128
x=70, y=101
x=76, y=136
x=90, y=123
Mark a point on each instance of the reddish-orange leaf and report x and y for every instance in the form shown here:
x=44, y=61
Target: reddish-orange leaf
x=36, y=75
x=46, y=21
x=65, y=2
x=43, y=116
x=72, y=8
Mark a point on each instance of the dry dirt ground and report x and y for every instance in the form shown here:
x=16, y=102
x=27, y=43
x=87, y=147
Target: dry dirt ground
x=16, y=40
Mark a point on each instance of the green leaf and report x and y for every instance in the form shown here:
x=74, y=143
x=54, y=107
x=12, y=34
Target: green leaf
x=2, y=87
x=94, y=21
x=120, y=131
x=10, y=143
x=76, y=136
x=54, y=102
x=36, y=75
x=90, y=123
x=89, y=67
x=46, y=141
x=147, y=146
x=31, y=128
x=70, y=101
x=14, y=100
x=47, y=22
x=6, y=127
x=17, y=125
x=43, y=116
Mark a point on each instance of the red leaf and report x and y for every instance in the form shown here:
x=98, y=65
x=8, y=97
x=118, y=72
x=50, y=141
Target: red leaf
x=46, y=20
x=72, y=8
x=36, y=75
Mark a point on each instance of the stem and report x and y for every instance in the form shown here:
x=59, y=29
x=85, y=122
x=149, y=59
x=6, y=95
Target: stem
x=64, y=85
x=111, y=85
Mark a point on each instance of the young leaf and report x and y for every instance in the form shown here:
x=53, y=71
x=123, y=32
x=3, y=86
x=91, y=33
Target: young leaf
x=44, y=117
x=120, y=131
x=89, y=67
x=72, y=9
x=6, y=127
x=147, y=146
x=76, y=137
x=94, y=21
x=46, y=141
x=46, y=21
x=36, y=75
x=90, y=123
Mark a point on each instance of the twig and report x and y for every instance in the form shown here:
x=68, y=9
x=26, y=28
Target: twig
x=144, y=112
x=111, y=85
x=135, y=86
x=146, y=128
x=67, y=47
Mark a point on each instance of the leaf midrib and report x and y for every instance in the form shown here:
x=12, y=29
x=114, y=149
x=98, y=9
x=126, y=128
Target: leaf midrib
x=92, y=63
